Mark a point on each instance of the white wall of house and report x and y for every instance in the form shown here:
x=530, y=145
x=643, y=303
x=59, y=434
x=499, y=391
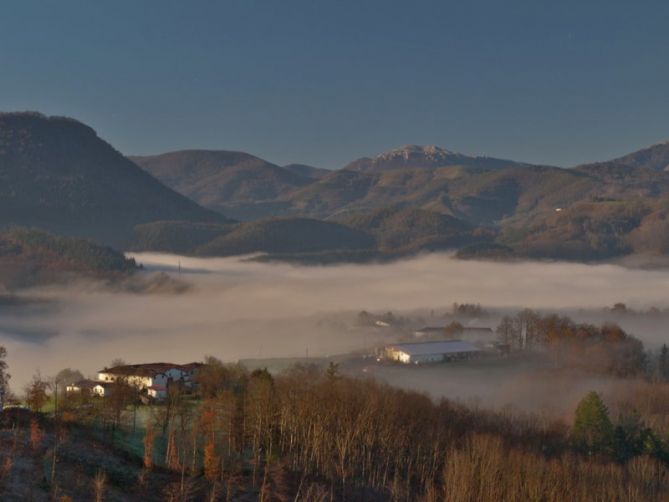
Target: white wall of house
x=406, y=358
x=175, y=374
x=144, y=382
x=136, y=380
x=158, y=394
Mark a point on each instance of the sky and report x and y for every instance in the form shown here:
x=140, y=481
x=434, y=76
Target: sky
x=325, y=82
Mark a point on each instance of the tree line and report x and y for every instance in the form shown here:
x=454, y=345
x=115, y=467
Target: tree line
x=606, y=348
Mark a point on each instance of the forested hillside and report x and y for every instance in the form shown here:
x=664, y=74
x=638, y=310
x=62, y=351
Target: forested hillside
x=382, y=234
x=314, y=436
x=287, y=235
x=58, y=175
x=409, y=230
x=30, y=257
x=225, y=181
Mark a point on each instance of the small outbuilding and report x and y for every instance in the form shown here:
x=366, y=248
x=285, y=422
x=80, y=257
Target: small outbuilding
x=82, y=386
x=157, y=392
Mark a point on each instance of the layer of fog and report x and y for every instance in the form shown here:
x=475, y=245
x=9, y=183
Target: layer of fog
x=243, y=309
x=519, y=386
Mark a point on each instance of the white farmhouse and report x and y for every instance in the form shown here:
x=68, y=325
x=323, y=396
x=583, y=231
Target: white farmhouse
x=153, y=379
x=146, y=376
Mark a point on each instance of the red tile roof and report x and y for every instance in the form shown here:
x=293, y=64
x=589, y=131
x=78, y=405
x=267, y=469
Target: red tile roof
x=148, y=369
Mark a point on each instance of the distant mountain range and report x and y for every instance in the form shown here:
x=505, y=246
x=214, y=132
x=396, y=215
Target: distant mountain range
x=483, y=190
x=591, y=211
x=55, y=173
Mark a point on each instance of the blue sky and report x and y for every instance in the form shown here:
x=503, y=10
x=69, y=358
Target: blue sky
x=324, y=82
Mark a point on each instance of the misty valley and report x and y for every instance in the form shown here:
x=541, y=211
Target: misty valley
x=548, y=349
x=299, y=251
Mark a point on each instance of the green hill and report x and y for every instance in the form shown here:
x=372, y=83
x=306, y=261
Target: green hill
x=181, y=237
x=287, y=235
x=226, y=181
x=585, y=231
x=406, y=230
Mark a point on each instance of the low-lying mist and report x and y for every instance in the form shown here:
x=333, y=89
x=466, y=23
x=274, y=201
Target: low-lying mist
x=243, y=309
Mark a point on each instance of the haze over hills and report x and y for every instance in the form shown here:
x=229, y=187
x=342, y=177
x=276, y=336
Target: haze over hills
x=57, y=174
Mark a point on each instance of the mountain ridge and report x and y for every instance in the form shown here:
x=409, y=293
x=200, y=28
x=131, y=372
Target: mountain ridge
x=56, y=173
x=222, y=180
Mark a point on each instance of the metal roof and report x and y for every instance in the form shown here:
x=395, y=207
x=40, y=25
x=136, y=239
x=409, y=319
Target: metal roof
x=438, y=347
x=84, y=384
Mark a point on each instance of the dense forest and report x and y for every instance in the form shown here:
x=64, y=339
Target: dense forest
x=30, y=257
x=58, y=175
x=605, y=348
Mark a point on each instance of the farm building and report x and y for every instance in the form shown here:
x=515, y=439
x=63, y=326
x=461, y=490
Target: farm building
x=157, y=392
x=144, y=376
x=90, y=387
x=430, y=352
x=153, y=378
x=102, y=389
x=82, y=386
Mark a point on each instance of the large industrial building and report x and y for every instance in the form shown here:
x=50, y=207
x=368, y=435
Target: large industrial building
x=430, y=352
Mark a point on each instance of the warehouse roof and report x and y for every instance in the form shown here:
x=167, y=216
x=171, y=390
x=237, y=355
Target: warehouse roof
x=438, y=347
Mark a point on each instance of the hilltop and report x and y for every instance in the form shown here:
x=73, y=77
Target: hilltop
x=225, y=181
x=57, y=174
x=428, y=157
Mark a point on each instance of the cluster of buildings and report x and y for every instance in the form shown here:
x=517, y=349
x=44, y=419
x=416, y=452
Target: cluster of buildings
x=152, y=379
